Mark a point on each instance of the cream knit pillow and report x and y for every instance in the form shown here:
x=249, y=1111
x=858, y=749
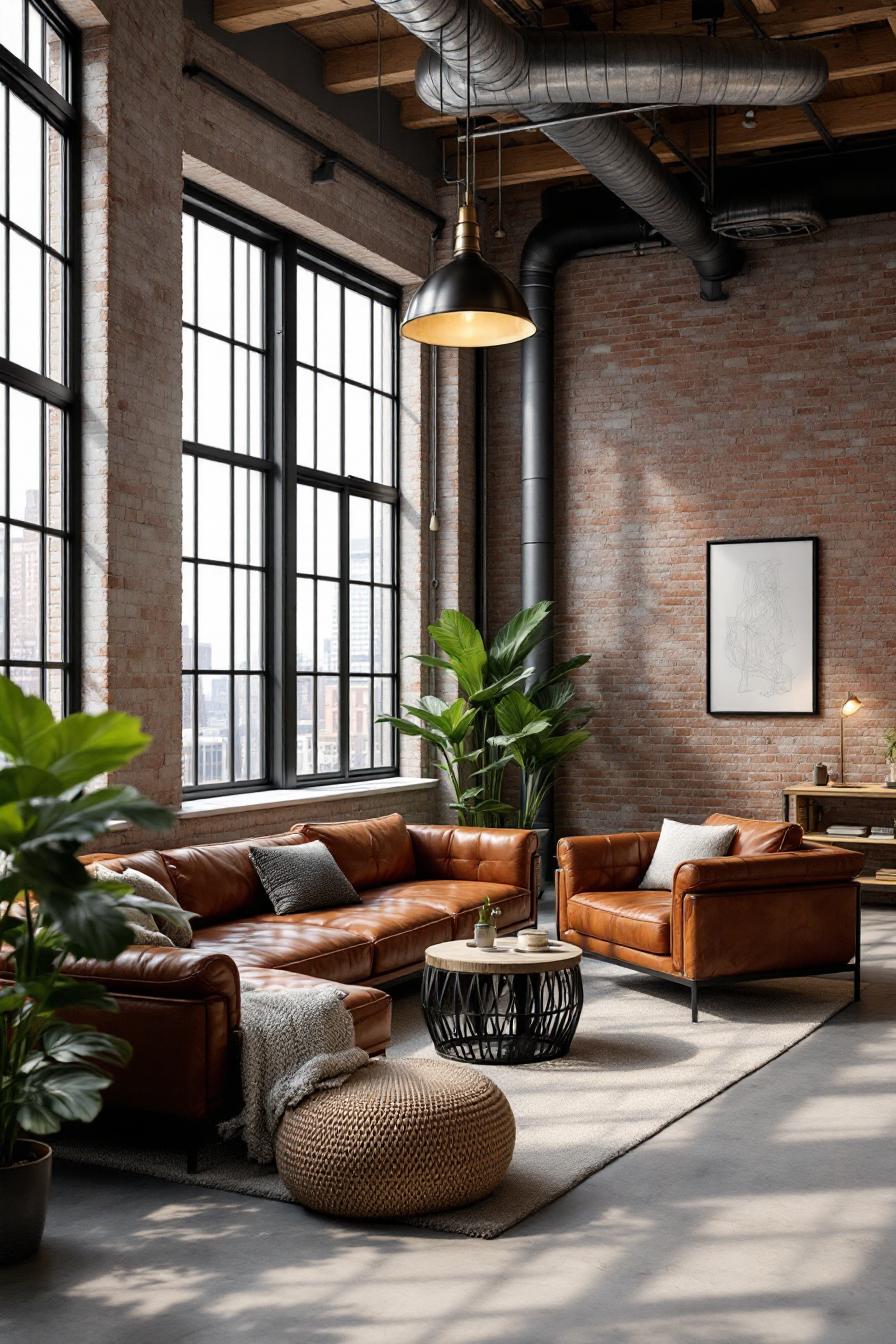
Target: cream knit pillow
x=680, y=843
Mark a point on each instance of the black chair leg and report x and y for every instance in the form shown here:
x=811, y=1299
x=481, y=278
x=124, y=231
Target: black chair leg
x=693, y=1003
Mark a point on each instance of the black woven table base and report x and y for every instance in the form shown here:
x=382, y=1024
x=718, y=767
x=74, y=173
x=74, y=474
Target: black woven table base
x=502, y=1018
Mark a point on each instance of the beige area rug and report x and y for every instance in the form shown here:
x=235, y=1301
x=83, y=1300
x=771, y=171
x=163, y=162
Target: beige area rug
x=637, y=1064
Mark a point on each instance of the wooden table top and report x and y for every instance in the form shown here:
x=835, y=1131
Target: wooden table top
x=503, y=958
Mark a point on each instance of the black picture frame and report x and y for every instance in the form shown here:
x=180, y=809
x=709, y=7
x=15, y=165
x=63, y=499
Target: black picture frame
x=714, y=696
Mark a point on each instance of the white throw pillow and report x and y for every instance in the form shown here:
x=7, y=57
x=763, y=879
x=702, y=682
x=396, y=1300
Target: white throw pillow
x=146, y=932
x=680, y=843
x=151, y=890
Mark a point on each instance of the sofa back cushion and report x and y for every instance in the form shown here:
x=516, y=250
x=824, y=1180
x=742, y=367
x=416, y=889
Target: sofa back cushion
x=759, y=837
x=219, y=882
x=148, y=861
x=371, y=853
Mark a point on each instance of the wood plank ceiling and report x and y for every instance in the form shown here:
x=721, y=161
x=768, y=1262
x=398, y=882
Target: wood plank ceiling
x=364, y=48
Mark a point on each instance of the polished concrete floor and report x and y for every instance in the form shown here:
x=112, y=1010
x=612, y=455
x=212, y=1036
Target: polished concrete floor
x=765, y=1217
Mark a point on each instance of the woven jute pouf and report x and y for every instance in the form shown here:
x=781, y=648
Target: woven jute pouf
x=413, y=1136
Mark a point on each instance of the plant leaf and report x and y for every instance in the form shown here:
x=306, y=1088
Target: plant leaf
x=517, y=638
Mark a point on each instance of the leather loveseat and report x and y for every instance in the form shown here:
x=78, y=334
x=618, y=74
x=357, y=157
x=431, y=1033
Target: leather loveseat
x=180, y=1008
x=774, y=906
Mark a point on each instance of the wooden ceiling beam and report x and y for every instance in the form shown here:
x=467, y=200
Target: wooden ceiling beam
x=241, y=16
x=352, y=69
x=795, y=18
x=542, y=161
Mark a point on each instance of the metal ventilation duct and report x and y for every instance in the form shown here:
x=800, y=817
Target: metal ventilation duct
x=546, y=76
x=773, y=217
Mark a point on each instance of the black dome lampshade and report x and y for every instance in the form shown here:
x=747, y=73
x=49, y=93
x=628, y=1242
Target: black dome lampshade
x=467, y=302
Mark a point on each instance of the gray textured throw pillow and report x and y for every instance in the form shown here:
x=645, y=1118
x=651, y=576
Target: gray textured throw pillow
x=151, y=890
x=680, y=843
x=297, y=878
x=146, y=933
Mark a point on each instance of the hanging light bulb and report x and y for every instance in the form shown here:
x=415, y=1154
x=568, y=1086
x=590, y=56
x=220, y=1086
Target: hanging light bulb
x=467, y=302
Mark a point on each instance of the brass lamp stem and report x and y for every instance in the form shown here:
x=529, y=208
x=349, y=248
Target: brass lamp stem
x=466, y=230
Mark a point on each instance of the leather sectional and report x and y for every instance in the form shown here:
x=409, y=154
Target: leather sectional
x=180, y=1008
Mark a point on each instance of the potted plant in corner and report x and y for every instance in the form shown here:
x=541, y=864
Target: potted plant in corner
x=890, y=757
x=486, y=923
x=51, y=911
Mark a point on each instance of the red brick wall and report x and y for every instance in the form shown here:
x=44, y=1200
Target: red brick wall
x=679, y=421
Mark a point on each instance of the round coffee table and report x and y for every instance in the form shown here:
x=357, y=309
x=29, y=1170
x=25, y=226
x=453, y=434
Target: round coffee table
x=500, y=1006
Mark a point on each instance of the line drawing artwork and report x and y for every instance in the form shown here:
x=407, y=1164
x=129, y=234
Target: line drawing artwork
x=760, y=632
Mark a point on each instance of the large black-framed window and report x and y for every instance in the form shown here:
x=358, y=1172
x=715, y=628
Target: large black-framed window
x=38, y=351
x=314, y=530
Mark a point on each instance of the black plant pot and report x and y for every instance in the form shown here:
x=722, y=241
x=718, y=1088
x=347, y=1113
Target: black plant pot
x=24, y=1191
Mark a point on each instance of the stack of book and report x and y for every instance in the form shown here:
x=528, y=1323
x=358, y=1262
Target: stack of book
x=886, y=875
x=883, y=832
x=853, y=831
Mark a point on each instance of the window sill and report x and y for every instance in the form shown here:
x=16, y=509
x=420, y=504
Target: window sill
x=270, y=799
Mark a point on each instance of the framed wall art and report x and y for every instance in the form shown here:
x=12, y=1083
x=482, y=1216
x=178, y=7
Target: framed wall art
x=762, y=626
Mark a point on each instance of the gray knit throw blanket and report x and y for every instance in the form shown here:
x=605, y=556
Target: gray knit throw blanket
x=293, y=1043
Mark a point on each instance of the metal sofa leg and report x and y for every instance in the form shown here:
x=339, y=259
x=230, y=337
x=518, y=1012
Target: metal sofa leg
x=857, y=964
x=693, y=1003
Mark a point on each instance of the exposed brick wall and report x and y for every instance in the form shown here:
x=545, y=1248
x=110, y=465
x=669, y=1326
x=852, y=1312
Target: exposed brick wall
x=679, y=421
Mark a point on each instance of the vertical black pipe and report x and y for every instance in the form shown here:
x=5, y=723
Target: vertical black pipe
x=480, y=449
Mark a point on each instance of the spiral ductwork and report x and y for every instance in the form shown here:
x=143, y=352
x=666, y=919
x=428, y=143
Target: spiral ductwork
x=621, y=68
x=544, y=76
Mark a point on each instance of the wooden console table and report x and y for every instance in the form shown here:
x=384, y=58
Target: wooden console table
x=807, y=807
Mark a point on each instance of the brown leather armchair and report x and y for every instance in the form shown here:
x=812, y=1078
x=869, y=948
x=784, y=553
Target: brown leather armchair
x=775, y=906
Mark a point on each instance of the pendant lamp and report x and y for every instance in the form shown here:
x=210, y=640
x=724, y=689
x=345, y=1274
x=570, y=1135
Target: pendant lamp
x=467, y=302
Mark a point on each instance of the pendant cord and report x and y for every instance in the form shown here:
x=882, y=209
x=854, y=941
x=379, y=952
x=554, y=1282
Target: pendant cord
x=467, y=145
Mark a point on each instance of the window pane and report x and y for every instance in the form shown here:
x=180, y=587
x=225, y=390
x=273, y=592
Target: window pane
x=383, y=323
x=359, y=628
x=329, y=425
x=304, y=418
x=54, y=579
x=256, y=727
x=328, y=627
x=256, y=620
x=329, y=325
x=214, y=730
x=214, y=278
x=25, y=156
x=357, y=432
x=214, y=392
x=241, y=620
x=241, y=769
x=25, y=266
x=24, y=593
x=54, y=319
x=214, y=616
x=188, y=617
x=304, y=315
x=241, y=515
x=383, y=655
x=54, y=467
x=305, y=762
x=382, y=542
x=305, y=625
x=359, y=705
x=327, y=532
x=383, y=735
x=54, y=205
x=359, y=538
x=189, y=386
x=304, y=529
x=240, y=290
x=11, y=31
x=328, y=725
x=188, y=505
x=24, y=457
x=256, y=296
x=189, y=269
x=357, y=337
x=213, y=489
x=383, y=443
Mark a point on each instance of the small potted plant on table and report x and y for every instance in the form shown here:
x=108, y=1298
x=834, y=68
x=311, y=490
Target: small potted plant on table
x=484, y=929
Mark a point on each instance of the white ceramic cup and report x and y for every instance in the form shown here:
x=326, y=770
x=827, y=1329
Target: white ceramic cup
x=533, y=940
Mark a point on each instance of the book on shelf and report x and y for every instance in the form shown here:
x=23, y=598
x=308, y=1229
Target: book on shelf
x=855, y=831
x=885, y=874
x=884, y=832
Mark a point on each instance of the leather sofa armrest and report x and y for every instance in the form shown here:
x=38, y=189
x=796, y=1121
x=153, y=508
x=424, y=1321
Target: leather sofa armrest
x=476, y=854
x=605, y=862
x=821, y=864
x=167, y=973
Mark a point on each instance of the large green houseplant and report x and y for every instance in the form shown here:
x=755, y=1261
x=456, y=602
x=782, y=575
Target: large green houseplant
x=52, y=910
x=504, y=716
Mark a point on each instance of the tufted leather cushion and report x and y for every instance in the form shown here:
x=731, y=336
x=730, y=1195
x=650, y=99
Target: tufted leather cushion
x=474, y=854
x=218, y=881
x=370, y=853
x=289, y=943
x=759, y=837
x=638, y=919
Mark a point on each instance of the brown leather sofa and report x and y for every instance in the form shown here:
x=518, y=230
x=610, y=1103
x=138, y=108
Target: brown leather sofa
x=775, y=906
x=180, y=1008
